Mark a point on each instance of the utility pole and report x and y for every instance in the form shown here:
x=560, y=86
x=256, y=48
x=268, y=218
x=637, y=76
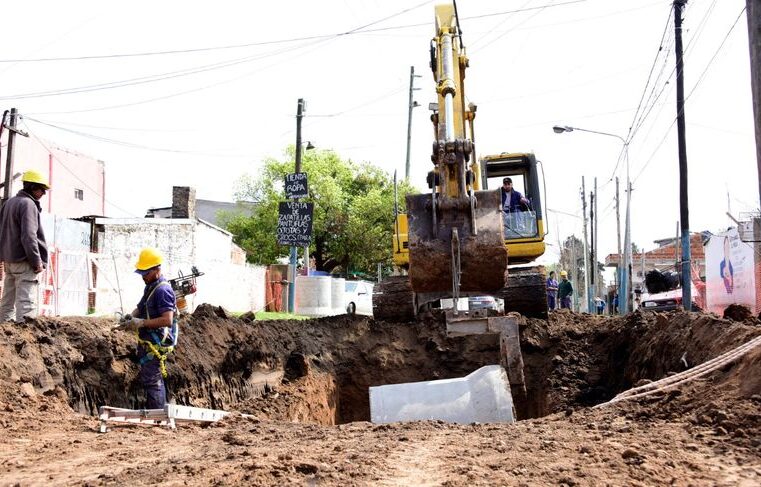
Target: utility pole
x=624, y=300
x=410, y=105
x=618, y=234
x=294, y=249
x=586, y=246
x=9, y=154
x=574, y=276
x=593, y=242
x=753, y=12
x=596, y=282
x=684, y=212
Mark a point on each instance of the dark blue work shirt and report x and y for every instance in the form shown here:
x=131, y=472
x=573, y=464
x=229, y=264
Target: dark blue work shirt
x=160, y=302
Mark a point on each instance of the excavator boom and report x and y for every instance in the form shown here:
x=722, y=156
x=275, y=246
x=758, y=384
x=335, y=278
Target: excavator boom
x=455, y=232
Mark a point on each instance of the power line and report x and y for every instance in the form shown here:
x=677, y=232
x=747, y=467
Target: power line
x=74, y=174
x=358, y=30
x=149, y=79
x=133, y=145
x=723, y=41
x=649, y=77
x=191, y=71
x=697, y=83
x=179, y=93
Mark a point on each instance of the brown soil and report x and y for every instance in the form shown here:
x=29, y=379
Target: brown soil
x=303, y=386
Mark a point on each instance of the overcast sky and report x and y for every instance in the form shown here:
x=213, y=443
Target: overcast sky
x=205, y=117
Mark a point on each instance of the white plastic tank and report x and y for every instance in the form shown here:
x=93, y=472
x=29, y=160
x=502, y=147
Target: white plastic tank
x=313, y=295
x=338, y=290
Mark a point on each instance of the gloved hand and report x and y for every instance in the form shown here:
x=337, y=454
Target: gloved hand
x=129, y=323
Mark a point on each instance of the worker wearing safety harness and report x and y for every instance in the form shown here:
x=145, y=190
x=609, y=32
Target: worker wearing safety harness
x=155, y=323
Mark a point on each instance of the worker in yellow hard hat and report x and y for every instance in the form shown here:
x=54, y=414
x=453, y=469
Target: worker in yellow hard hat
x=565, y=290
x=154, y=320
x=23, y=250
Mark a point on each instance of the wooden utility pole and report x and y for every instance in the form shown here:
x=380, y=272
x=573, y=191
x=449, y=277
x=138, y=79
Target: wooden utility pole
x=11, y=127
x=684, y=212
x=294, y=249
x=586, y=245
x=753, y=12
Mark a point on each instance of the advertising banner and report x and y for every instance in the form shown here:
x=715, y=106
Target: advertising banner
x=730, y=276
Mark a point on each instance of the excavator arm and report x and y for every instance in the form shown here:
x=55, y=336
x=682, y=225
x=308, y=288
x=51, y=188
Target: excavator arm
x=455, y=231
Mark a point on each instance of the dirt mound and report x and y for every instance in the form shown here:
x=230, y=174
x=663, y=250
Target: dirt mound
x=738, y=312
x=300, y=383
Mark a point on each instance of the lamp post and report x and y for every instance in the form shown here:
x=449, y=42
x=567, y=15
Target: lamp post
x=624, y=267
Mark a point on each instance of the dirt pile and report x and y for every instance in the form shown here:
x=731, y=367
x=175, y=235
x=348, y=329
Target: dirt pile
x=302, y=382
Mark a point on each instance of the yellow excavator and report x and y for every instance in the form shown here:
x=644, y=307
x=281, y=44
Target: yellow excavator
x=455, y=240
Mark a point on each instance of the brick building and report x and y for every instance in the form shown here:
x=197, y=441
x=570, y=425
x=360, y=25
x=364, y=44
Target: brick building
x=663, y=258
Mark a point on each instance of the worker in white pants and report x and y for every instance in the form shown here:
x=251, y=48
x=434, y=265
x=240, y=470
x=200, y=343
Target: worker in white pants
x=19, y=291
x=23, y=250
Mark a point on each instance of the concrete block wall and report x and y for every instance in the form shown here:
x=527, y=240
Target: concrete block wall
x=184, y=243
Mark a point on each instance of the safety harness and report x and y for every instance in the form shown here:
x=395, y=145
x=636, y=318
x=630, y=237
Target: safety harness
x=162, y=342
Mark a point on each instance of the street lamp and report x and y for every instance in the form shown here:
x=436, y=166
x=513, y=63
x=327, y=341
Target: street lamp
x=624, y=291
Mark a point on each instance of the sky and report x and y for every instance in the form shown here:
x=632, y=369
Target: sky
x=179, y=93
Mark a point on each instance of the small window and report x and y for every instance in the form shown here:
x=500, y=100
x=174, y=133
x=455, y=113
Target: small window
x=79, y=194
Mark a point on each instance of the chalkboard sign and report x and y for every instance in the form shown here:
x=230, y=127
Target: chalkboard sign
x=296, y=185
x=294, y=223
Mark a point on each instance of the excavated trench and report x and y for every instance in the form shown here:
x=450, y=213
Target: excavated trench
x=319, y=370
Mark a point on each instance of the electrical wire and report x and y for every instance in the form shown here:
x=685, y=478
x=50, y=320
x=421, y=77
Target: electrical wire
x=149, y=79
x=73, y=173
x=503, y=34
x=358, y=30
x=718, y=49
x=189, y=71
x=133, y=145
x=697, y=83
x=218, y=48
x=184, y=92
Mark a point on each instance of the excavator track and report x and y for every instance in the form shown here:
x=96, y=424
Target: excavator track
x=526, y=292
x=393, y=300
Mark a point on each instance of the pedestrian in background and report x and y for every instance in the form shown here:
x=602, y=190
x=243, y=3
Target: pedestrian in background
x=565, y=290
x=552, y=291
x=600, y=304
x=23, y=250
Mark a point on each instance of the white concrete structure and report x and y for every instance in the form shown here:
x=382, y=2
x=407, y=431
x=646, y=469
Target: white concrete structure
x=337, y=295
x=483, y=397
x=184, y=243
x=314, y=295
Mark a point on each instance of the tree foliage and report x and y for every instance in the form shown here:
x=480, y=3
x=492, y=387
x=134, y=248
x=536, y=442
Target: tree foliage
x=353, y=212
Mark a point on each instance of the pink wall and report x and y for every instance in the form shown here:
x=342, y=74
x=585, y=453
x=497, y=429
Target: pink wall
x=68, y=171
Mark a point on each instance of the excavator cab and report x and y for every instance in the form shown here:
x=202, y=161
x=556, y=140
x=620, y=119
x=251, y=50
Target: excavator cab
x=523, y=224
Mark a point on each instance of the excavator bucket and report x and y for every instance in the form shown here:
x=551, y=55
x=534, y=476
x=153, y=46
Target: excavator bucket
x=470, y=234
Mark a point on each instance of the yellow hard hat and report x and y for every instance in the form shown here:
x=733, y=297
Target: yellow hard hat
x=149, y=258
x=35, y=177
x=563, y=274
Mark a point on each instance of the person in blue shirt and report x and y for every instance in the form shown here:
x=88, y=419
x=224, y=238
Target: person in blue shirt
x=512, y=200
x=154, y=320
x=552, y=291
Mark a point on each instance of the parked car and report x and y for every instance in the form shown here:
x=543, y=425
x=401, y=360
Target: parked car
x=485, y=302
x=666, y=301
x=358, y=296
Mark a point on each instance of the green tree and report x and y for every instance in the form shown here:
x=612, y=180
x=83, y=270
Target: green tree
x=353, y=212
